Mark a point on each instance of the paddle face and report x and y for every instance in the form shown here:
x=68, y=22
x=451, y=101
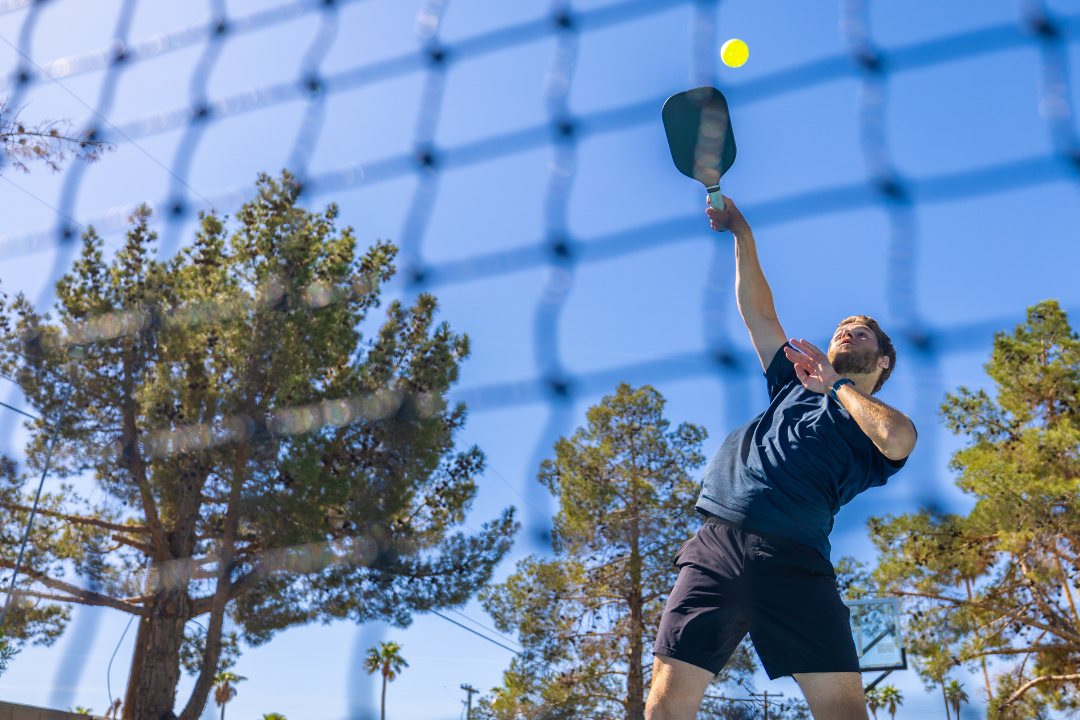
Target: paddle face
x=699, y=134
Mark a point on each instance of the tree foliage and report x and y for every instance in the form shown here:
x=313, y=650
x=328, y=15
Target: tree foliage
x=891, y=699
x=955, y=696
x=48, y=142
x=873, y=701
x=385, y=660
x=7, y=653
x=253, y=454
x=193, y=650
x=587, y=616
x=998, y=585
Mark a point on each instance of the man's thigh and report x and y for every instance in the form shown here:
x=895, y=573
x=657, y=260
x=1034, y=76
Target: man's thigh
x=676, y=690
x=834, y=696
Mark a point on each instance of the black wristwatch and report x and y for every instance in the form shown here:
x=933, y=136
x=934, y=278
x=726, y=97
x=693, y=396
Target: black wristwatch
x=836, y=386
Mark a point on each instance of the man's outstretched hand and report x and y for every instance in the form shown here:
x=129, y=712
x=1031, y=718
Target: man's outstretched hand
x=727, y=219
x=812, y=366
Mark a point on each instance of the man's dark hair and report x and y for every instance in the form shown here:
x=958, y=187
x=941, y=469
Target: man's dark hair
x=885, y=346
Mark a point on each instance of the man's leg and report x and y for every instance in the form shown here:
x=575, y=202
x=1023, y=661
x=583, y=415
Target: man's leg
x=677, y=689
x=833, y=696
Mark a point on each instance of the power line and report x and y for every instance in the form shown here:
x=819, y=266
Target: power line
x=108, y=672
x=474, y=632
x=493, y=642
x=56, y=210
x=9, y=407
x=37, y=498
x=27, y=192
x=523, y=498
x=485, y=627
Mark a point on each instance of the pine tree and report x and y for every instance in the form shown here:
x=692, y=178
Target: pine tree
x=587, y=617
x=254, y=455
x=999, y=582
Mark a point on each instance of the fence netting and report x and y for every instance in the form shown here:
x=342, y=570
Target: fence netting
x=555, y=249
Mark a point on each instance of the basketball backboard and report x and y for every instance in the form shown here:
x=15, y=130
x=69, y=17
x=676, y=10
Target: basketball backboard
x=875, y=627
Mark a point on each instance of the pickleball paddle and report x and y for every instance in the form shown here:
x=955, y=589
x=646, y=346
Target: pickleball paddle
x=700, y=137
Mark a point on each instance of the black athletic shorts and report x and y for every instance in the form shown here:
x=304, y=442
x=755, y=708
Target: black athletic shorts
x=782, y=592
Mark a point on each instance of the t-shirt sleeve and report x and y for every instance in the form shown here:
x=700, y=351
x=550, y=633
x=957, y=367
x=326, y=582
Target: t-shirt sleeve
x=781, y=372
x=884, y=467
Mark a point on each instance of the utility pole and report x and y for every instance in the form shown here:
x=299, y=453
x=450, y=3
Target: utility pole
x=469, y=689
x=765, y=702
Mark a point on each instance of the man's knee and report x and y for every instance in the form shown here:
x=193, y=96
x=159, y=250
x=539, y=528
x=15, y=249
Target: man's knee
x=836, y=696
x=676, y=689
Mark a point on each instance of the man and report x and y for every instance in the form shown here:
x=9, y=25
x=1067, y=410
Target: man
x=760, y=563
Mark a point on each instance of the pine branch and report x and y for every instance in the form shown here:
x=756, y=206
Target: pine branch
x=44, y=142
x=1059, y=632
x=79, y=601
x=1042, y=601
x=77, y=594
x=1027, y=650
x=1032, y=683
x=147, y=550
x=79, y=519
x=137, y=471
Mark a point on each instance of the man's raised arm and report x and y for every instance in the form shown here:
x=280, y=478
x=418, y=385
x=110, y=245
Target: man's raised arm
x=751, y=289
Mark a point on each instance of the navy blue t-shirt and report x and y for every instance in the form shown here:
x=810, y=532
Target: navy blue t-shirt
x=789, y=470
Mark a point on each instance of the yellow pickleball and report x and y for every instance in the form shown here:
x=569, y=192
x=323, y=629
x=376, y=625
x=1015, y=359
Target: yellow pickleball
x=734, y=53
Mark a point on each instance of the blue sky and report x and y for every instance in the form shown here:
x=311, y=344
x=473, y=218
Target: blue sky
x=644, y=294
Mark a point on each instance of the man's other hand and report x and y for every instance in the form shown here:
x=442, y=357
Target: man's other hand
x=727, y=219
x=812, y=366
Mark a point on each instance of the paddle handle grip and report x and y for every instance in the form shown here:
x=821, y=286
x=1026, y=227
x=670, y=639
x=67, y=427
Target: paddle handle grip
x=716, y=199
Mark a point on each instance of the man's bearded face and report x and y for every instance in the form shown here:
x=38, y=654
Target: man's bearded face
x=854, y=351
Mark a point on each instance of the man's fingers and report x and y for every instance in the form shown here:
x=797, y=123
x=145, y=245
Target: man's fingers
x=799, y=361
x=716, y=218
x=796, y=357
x=806, y=347
x=804, y=367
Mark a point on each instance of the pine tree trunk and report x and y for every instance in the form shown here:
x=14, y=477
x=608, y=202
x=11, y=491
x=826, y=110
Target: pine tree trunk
x=635, y=677
x=155, y=694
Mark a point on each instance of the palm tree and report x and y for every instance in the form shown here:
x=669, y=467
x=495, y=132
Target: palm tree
x=891, y=698
x=224, y=690
x=274, y=716
x=955, y=696
x=387, y=660
x=873, y=701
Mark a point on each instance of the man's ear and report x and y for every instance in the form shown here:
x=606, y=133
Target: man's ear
x=883, y=362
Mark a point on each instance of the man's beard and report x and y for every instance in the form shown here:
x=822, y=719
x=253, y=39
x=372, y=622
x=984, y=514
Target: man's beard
x=861, y=361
